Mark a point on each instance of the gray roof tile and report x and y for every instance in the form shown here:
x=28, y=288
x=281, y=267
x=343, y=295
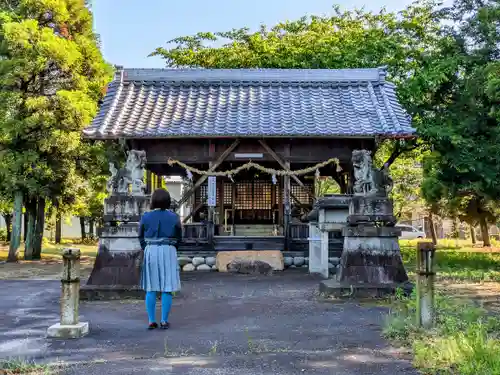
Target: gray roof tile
x=249, y=102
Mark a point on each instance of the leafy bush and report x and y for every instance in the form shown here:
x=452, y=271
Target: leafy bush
x=3, y=234
x=464, y=340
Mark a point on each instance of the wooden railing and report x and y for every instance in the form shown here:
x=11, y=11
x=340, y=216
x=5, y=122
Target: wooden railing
x=195, y=233
x=299, y=231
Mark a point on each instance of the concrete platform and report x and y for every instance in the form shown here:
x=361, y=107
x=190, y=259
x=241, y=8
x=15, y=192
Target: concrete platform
x=74, y=331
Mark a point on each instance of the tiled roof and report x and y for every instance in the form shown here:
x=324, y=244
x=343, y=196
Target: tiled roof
x=155, y=103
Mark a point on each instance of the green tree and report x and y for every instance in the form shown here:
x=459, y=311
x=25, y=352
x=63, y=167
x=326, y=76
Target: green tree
x=52, y=75
x=463, y=171
x=347, y=39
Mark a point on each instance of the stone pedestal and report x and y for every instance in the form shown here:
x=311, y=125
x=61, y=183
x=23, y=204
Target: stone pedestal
x=371, y=264
x=70, y=326
x=117, y=268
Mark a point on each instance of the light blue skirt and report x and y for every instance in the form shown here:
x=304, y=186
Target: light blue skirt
x=160, y=268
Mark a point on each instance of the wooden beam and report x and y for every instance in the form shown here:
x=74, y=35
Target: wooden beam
x=283, y=165
x=203, y=178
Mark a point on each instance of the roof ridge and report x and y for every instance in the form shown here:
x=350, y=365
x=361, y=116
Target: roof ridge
x=374, y=75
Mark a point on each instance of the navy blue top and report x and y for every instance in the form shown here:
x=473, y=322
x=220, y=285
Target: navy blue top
x=160, y=224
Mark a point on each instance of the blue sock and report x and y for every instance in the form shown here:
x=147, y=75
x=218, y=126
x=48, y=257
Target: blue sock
x=151, y=306
x=166, y=304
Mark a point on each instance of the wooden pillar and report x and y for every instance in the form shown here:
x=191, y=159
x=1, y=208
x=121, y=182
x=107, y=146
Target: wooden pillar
x=287, y=208
x=281, y=209
x=211, y=211
x=233, y=207
x=159, y=181
x=220, y=186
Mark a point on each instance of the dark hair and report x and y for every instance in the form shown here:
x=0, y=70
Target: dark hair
x=160, y=199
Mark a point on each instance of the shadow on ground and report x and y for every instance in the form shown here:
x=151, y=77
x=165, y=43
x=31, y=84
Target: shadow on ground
x=220, y=325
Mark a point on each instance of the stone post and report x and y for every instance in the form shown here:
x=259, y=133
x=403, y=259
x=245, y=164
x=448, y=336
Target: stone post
x=318, y=258
x=425, y=284
x=70, y=327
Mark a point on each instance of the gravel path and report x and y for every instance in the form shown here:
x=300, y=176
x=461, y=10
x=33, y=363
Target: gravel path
x=223, y=324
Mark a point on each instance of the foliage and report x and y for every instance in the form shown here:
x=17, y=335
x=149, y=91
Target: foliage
x=464, y=341
x=406, y=173
x=347, y=39
x=52, y=75
x=462, y=172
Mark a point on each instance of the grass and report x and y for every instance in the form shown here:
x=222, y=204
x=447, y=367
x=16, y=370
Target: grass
x=465, y=339
x=463, y=264
x=52, y=251
x=15, y=366
x=50, y=264
x=466, y=336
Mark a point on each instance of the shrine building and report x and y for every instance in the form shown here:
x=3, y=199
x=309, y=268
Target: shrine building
x=189, y=120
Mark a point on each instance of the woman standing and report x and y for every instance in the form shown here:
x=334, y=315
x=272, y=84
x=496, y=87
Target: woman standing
x=160, y=233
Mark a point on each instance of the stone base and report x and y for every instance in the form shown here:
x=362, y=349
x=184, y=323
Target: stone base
x=343, y=290
x=116, y=267
x=371, y=261
x=272, y=257
x=68, y=331
x=110, y=292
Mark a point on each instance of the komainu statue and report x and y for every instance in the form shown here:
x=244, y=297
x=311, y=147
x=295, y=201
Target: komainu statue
x=369, y=181
x=128, y=179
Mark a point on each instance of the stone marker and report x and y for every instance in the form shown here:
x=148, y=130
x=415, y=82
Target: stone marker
x=70, y=327
x=425, y=284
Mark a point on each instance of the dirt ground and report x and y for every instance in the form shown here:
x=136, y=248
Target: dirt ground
x=222, y=324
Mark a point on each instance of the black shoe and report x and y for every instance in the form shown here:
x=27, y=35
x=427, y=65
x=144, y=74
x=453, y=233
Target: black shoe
x=152, y=326
x=165, y=325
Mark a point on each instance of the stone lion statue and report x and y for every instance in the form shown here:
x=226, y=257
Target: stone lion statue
x=132, y=174
x=368, y=180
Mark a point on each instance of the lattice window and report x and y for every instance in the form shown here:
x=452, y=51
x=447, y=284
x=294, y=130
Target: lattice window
x=201, y=194
x=244, y=196
x=301, y=194
x=262, y=195
x=228, y=193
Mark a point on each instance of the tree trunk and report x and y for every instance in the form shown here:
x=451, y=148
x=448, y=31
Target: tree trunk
x=473, y=234
x=433, y=229
x=15, y=240
x=484, y=232
x=30, y=231
x=8, y=225
x=82, y=228
x=25, y=219
x=91, y=228
x=58, y=228
x=39, y=229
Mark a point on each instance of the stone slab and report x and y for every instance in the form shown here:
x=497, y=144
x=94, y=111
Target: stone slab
x=73, y=331
x=363, y=205
x=345, y=290
x=273, y=257
x=389, y=220
x=370, y=231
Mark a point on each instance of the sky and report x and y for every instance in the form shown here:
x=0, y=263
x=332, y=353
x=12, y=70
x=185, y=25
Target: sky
x=131, y=29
